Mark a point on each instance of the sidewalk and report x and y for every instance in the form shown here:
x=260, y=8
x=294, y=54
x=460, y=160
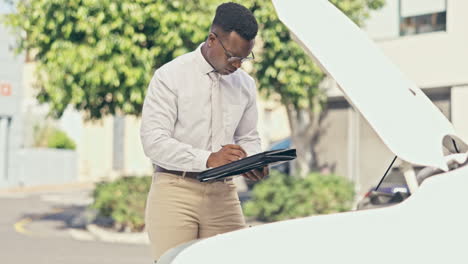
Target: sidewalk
x=49, y=188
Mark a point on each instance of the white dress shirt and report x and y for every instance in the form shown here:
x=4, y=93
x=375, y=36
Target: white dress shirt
x=190, y=111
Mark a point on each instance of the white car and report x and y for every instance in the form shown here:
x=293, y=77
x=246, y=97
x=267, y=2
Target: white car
x=434, y=219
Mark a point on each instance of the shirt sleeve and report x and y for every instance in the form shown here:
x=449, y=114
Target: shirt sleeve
x=159, y=116
x=246, y=134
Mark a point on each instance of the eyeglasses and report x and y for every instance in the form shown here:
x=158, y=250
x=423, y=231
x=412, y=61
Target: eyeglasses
x=231, y=58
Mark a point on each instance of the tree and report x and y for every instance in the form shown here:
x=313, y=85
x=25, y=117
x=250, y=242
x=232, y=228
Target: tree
x=99, y=55
x=284, y=69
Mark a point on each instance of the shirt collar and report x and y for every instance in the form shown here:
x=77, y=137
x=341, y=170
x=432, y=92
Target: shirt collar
x=203, y=65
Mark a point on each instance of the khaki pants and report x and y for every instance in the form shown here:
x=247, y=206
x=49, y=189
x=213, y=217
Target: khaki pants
x=181, y=209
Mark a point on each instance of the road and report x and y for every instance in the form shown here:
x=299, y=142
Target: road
x=33, y=230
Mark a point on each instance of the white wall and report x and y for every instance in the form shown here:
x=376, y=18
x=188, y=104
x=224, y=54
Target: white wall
x=11, y=70
x=459, y=111
x=273, y=124
x=436, y=59
x=136, y=163
x=46, y=166
x=384, y=23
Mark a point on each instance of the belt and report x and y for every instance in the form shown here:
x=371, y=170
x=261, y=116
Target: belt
x=188, y=174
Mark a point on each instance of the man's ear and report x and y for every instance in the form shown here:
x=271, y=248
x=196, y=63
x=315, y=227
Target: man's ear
x=211, y=39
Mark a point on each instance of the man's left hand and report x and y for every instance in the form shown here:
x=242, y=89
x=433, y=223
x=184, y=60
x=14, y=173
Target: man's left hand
x=257, y=174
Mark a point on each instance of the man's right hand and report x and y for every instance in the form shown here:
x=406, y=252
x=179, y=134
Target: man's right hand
x=225, y=155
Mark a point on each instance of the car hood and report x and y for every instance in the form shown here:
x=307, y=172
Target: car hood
x=410, y=125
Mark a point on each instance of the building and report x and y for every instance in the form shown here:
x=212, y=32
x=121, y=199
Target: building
x=10, y=97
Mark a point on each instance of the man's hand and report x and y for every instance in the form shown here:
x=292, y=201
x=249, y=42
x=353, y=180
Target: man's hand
x=257, y=174
x=227, y=154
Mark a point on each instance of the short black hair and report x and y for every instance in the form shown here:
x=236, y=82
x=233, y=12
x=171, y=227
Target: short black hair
x=235, y=17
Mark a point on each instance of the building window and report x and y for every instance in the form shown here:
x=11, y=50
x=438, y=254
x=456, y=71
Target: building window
x=422, y=16
x=423, y=24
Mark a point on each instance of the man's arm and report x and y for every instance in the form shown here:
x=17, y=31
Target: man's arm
x=158, y=120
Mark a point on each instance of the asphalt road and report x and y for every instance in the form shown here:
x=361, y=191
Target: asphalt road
x=32, y=230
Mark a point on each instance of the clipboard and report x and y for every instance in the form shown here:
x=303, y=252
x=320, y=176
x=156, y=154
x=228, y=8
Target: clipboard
x=256, y=161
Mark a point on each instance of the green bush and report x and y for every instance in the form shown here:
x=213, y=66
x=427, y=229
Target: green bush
x=48, y=136
x=60, y=140
x=283, y=197
x=123, y=200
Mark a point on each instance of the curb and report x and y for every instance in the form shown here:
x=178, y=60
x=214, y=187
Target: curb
x=96, y=233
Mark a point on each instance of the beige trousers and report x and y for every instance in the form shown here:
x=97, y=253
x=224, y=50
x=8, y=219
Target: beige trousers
x=181, y=209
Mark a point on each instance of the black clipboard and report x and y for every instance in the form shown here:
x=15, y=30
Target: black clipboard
x=256, y=161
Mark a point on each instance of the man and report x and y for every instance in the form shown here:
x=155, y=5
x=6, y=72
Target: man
x=199, y=113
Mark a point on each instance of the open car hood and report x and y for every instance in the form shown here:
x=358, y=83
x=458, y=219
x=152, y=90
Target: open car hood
x=405, y=119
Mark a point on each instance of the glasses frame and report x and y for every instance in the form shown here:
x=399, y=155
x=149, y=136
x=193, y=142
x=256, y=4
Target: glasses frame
x=231, y=58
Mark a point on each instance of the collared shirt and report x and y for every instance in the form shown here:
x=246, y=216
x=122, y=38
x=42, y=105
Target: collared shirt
x=177, y=130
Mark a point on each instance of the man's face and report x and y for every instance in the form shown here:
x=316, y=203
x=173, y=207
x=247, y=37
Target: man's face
x=228, y=51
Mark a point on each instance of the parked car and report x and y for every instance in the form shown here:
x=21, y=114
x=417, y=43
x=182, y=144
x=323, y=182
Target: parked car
x=384, y=196
x=284, y=167
x=391, y=191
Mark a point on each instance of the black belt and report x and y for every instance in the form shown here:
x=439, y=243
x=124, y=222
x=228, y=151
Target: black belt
x=192, y=175
x=188, y=174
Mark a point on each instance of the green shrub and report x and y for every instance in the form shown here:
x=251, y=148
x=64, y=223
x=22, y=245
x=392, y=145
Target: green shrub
x=123, y=200
x=283, y=197
x=60, y=140
x=48, y=136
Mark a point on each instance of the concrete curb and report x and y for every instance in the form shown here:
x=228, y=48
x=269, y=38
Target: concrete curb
x=96, y=233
